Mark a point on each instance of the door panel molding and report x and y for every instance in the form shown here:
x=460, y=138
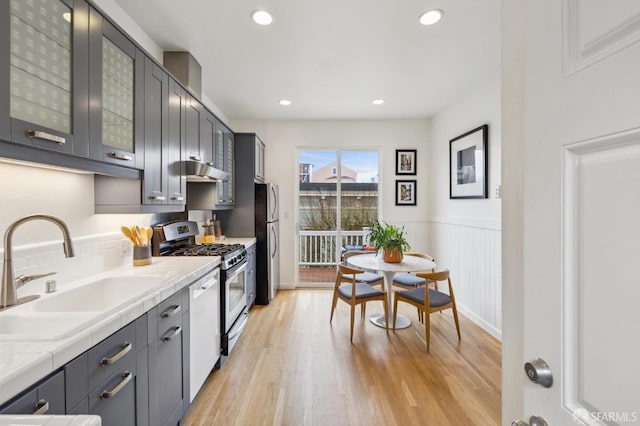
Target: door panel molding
x=580, y=52
x=599, y=251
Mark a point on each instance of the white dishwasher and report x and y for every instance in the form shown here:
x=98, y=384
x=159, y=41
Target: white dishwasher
x=204, y=318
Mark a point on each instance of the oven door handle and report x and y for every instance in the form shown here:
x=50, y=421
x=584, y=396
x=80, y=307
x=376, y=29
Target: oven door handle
x=240, y=326
x=237, y=272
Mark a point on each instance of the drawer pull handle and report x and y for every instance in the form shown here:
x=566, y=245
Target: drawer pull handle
x=157, y=197
x=175, y=333
x=171, y=311
x=119, y=156
x=195, y=157
x=126, y=347
x=36, y=134
x=42, y=407
x=126, y=378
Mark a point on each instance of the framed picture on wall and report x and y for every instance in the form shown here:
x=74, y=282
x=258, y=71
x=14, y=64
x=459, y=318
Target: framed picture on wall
x=405, y=193
x=468, y=164
x=405, y=161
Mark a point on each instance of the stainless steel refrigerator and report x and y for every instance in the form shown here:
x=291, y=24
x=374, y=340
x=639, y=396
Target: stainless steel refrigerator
x=267, y=228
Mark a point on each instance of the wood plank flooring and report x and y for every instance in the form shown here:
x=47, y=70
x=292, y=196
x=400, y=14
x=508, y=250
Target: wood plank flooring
x=291, y=367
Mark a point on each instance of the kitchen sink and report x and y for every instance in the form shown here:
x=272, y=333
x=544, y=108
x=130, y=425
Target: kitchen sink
x=40, y=326
x=101, y=295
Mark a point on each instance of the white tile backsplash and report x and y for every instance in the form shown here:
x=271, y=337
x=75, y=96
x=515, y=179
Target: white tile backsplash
x=94, y=254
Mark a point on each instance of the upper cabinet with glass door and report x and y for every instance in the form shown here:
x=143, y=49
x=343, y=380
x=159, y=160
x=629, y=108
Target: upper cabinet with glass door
x=116, y=77
x=43, y=91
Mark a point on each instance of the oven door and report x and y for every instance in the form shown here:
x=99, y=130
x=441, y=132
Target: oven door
x=235, y=294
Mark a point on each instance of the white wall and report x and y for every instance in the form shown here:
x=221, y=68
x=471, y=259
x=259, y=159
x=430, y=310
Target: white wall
x=283, y=138
x=465, y=234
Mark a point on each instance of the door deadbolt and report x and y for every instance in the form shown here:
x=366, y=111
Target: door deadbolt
x=538, y=371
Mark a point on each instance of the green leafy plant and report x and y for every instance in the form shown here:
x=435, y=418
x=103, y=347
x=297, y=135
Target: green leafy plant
x=385, y=236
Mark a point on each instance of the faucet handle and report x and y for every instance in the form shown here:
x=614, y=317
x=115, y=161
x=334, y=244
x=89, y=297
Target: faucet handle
x=23, y=279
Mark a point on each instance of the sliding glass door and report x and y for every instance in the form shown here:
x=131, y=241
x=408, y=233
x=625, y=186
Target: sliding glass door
x=337, y=199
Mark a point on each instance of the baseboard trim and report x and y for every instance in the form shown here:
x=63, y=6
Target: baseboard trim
x=481, y=323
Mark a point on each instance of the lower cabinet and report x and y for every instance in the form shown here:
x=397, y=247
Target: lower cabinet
x=47, y=397
x=167, y=356
x=138, y=376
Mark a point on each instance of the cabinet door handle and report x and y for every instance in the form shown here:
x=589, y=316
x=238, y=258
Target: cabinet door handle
x=177, y=330
x=171, y=311
x=157, y=197
x=126, y=347
x=41, y=407
x=119, y=156
x=195, y=157
x=177, y=197
x=37, y=134
x=126, y=378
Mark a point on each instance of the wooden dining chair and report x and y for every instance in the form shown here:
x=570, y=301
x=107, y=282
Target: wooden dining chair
x=370, y=278
x=411, y=280
x=429, y=300
x=352, y=292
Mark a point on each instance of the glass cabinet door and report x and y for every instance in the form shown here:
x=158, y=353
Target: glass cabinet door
x=47, y=48
x=117, y=97
x=117, y=93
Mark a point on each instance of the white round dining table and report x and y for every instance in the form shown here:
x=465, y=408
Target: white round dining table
x=373, y=261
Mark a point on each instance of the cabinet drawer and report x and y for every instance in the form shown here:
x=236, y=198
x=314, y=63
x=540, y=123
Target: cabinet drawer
x=169, y=315
x=47, y=398
x=115, y=399
x=106, y=358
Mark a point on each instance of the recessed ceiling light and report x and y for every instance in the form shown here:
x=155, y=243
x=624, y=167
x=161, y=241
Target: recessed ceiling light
x=285, y=102
x=262, y=17
x=430, y=17
x=377, y=101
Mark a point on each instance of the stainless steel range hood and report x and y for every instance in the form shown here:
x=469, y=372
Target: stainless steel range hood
x=197, y=171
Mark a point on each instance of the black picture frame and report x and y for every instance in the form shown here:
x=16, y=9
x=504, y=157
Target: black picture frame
x=468, y=164
x=406, y=161
x=406, y=192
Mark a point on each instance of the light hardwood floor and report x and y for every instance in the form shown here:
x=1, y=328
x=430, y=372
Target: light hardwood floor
x=291, y=367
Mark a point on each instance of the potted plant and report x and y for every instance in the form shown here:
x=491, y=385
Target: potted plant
x=390, y=239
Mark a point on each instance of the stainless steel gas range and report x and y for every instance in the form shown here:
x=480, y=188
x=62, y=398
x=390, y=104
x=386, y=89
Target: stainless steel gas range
x=178, y=239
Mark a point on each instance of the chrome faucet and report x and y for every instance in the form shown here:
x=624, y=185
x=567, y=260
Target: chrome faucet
x=8, y=294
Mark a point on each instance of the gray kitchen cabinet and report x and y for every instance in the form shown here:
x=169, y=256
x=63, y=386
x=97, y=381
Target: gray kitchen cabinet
x=249, y=151
x=193, y=119
x=47, y=397
x=117, y=89
x=166, y=364
x=174, y=168
x=208, y=136
x=111, y=378
x=259, y=160
x=251, y=276
x=44, y=84
x=225, y=160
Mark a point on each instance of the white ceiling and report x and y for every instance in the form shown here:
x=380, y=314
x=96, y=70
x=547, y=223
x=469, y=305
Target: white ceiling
x=331, y=58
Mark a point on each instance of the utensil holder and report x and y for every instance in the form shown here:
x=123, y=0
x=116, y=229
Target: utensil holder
x=141, y=255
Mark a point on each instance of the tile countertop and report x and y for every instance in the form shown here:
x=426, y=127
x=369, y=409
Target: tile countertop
x=28, y=419
x=246, y=241
x=24, y=362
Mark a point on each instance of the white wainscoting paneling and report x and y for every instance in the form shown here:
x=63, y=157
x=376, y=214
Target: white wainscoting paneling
x=472, y=252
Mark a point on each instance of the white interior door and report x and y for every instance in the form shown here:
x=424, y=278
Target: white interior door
x=579, y=67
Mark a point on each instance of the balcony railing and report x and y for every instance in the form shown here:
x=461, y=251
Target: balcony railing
x=318, y=248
